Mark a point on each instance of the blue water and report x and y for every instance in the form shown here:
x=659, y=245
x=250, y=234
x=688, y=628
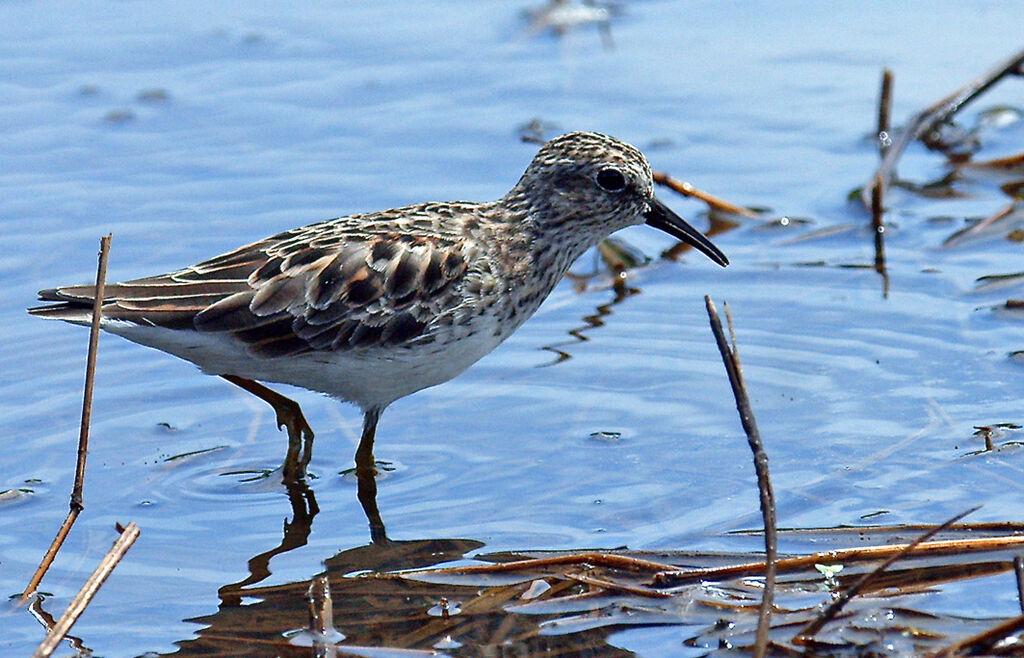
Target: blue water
x=188, y=128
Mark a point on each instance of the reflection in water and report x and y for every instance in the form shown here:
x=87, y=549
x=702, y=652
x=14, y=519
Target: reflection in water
x=360, y=603
x=564, y=607
x=616, y=257
x=296, y=534
x=718, y=222
x=367, y=494
x=35, y=608
x=384, y=610
x=591, y=321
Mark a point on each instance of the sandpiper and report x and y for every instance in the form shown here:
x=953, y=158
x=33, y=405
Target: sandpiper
x=372, y=307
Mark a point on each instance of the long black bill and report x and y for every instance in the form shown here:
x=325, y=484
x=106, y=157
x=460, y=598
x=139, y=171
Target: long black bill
x=661, y=217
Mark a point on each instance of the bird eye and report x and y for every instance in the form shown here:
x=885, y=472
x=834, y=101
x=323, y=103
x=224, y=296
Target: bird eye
x=611, y=179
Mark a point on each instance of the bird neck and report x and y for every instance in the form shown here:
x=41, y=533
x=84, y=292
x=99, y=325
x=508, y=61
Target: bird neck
x=559, y=230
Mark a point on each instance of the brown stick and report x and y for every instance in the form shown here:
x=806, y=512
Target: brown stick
x=877, y=188
x=83, y=428
x=664, y=576
x=619, y=587
x=90, y=371
x=930, y=117
x=684, y=188
x=846, y=555
x=89, y=589
x=878, y=228
x=965, y=234
x=981, y=641
x=595, y=559
x=1018, y=569
x=810, y=630
x=884, y=112
x=35, y=608
x=730, y=357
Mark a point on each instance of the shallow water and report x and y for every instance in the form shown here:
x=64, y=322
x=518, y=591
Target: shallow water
x=187, y=129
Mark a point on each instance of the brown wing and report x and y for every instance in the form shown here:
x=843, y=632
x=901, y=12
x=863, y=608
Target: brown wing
x=328, y=286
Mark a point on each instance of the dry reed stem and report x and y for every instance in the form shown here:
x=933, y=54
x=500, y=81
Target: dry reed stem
x=878, y=228
x=981, y=642
x=618, y=587
x=730, y=358
x=591, y=558
x=847, y=555
x=684, y=188
x=321, y=607
x=884, y=112
x=930, y=117
x=1018, y=570
x=83, y=428
x=89, y=589
x=666, y=575
x=878, y=187
x=963, y=235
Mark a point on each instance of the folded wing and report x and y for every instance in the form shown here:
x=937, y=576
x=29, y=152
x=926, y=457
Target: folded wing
x=311, y=289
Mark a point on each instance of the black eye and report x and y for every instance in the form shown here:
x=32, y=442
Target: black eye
x=611, y=179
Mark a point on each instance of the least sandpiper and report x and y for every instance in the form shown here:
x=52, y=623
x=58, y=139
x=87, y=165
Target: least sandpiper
x=370, y=308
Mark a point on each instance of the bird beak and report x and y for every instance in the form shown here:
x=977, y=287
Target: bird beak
x=661, y=217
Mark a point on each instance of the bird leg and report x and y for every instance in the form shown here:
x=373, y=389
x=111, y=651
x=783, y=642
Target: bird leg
x=364, y=453
x=289, y=416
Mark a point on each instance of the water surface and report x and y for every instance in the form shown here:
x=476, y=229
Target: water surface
x=186, y=129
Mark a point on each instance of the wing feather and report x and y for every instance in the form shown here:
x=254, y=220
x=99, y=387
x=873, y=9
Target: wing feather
x=350, y=283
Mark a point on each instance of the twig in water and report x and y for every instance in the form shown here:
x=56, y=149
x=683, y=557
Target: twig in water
x=808, y=632
x=1018, y=568
x=321, y=607
x=927, y=119
x=46, y=620
x=980, y=227
x=83, y=429
x=878, y=187
x=618, y=587
x=608, y=560
x=684, y=188
x=884, y=112
x=981, y=642
x=679, y=577
x=89, y=589
x=878, y=228
x=732, y=367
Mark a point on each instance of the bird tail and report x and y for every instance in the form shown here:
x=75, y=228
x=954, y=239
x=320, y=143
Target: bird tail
x=73, y=304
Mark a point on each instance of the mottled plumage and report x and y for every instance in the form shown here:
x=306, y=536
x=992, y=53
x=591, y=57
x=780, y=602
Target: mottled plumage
x=369, y=308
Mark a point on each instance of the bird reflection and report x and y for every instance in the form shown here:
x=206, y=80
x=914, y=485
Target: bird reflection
x=296, y=534
x=367, y=495
x=590, y=321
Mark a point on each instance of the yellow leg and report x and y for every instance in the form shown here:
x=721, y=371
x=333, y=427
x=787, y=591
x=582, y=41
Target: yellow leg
x=289, y=416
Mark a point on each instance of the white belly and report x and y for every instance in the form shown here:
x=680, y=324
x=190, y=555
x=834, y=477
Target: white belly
x=371, y=377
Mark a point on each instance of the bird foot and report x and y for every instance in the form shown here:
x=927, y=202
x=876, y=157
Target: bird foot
x=300, y=441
